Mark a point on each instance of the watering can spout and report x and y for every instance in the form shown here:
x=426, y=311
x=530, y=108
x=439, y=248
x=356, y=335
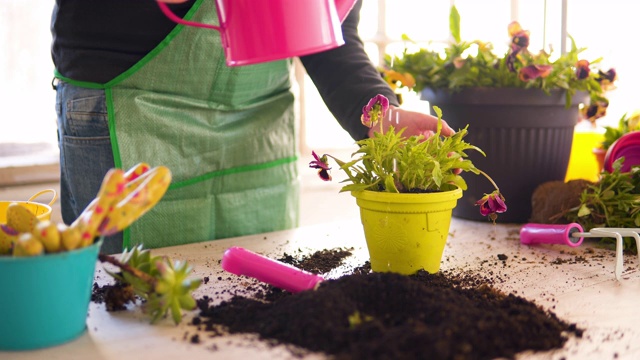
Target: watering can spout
x=257, y=31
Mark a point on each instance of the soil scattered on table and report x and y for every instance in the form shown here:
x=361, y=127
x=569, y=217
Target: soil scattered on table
x=115, y=296
x=367, y=315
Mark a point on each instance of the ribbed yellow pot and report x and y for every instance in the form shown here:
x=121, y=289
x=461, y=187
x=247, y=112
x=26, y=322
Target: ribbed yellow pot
x=406, y=232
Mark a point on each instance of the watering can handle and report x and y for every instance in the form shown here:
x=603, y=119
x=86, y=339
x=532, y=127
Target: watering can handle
x=343, y=7
x=551, y=234
x=36, y=195
x=165, y=9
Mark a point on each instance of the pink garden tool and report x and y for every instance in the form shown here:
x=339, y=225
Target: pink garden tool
x=240, y=261
x=573, y=235
x=256, y=31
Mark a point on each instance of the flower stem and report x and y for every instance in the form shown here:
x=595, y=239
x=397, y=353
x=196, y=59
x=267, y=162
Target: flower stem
x=490, y=179
x=128, y=268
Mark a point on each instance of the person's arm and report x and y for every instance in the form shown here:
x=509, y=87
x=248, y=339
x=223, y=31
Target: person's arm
x=346, y=80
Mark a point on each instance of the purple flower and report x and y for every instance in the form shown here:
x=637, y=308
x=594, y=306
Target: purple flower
x=533, y=72
x=595, y=110
x=519, y=37
x=492, y=204
x=322, y=164
x=610, y=75
x=606, y=79
x=374, y=111
x=582, y=69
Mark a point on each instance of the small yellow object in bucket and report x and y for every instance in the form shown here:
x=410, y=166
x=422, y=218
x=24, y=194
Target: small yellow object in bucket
x=40, y=210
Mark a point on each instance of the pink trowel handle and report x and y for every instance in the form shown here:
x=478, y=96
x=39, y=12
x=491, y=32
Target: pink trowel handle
x=241, y=261
x=551, y=234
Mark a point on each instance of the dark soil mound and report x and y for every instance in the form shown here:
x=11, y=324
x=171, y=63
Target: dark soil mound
x=390, y=316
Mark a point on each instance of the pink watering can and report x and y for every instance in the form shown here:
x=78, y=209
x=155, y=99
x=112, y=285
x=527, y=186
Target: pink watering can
x=256, y=31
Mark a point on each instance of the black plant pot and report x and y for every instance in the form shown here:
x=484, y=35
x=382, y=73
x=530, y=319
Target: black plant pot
x=526, y=135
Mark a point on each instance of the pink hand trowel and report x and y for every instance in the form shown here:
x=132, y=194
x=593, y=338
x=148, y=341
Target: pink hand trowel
x=240, y=261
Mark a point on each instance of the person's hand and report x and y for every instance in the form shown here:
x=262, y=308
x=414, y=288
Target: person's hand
x=416, y=123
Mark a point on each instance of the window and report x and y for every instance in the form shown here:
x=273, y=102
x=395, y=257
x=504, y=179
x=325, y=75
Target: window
x=28, y=135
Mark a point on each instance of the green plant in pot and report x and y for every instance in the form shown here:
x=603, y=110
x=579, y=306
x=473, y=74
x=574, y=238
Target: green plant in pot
x=521, y=108
x=406, y=188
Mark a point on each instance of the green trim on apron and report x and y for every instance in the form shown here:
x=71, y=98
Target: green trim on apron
x=228, y=135
x=112, y=132
x=84, y=84
x=237, y=170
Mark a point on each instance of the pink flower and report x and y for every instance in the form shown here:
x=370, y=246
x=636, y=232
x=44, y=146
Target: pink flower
x=374, y=111
x=492, y=204
x=322, y=164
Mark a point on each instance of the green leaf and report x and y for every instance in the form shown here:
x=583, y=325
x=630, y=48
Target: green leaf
x=454, y=24
x=584, y=211
x=390, y=185
x=607, y=195
x=406, y=37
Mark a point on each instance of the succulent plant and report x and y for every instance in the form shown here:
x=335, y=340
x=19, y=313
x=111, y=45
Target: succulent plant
x=163, y=284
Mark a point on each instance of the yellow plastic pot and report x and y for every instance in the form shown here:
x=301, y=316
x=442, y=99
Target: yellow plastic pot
x=406, y=232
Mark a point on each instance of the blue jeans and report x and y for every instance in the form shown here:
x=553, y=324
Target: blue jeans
x=85, y=151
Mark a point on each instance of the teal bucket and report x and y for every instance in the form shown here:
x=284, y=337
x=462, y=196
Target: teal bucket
x=45, y=299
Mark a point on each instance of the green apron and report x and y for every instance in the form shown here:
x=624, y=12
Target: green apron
x=228, y=135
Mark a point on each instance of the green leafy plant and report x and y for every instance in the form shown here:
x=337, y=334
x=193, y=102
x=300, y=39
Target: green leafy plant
x=613, y=201
x=391, y=162
x=162, y=284
x=464, y=64
x=626, y=124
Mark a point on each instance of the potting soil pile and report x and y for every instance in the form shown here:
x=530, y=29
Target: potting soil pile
x=367, y=315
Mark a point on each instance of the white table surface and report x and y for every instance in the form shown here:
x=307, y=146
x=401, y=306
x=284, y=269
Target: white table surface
x=585, y=293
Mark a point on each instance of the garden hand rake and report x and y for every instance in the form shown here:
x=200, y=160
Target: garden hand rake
x=573, y=235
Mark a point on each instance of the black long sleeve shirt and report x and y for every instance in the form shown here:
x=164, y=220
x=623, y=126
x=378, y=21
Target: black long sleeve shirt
x=97, y=40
